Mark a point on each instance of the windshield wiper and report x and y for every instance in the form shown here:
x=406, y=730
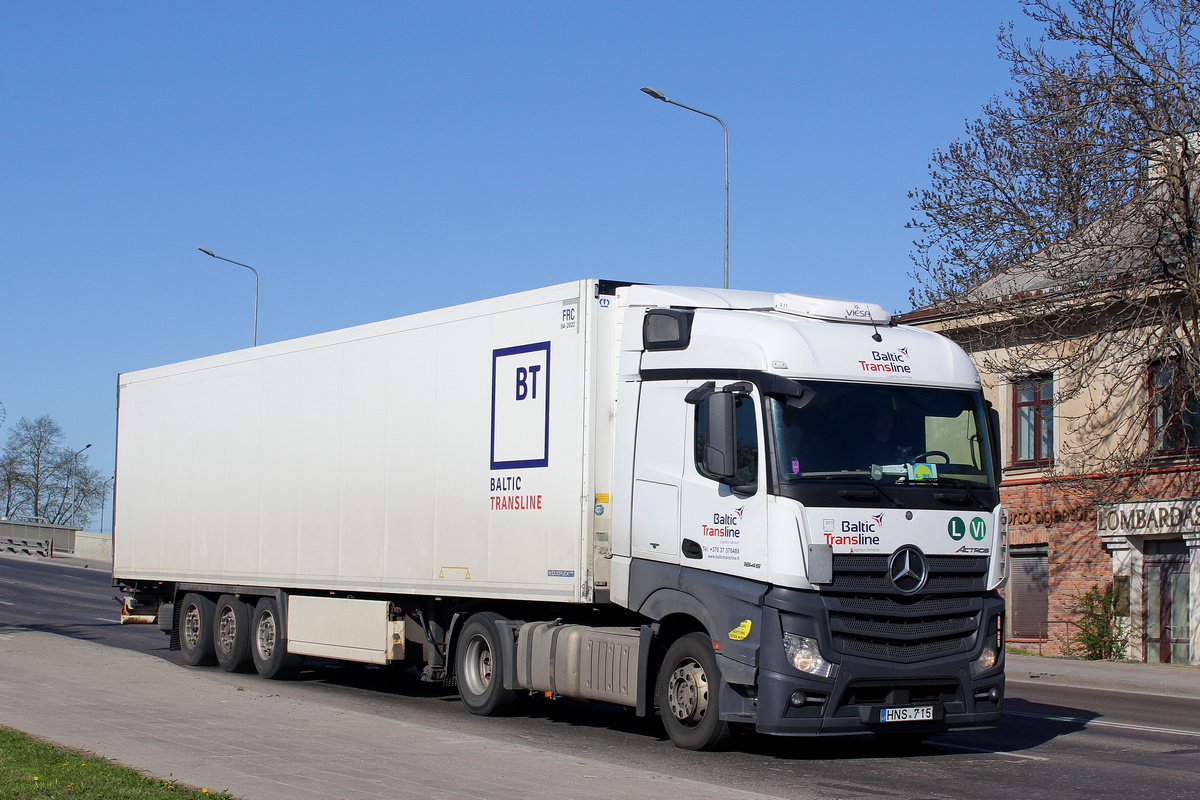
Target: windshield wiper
x=960, y=483
x=875, y=485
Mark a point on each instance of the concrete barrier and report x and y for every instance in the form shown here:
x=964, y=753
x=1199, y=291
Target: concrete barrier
x=17, y=533
x=92, y=545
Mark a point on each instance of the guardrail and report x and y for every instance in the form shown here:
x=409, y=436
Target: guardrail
x=31, y=547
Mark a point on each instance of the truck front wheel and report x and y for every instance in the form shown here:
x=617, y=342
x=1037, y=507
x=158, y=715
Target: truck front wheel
x=689, y=683
x=196, y=630
x=479, y=667
x=268, y=647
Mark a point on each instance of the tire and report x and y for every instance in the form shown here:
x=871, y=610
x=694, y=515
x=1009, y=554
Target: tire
x=268, y=647
x=231, y=634
x=479, y=667
x=196, y=630
x=688, y=691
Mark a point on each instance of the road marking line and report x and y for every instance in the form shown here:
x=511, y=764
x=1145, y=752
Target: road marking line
x=1103, y=723
x=990, y=752
x=106, y=619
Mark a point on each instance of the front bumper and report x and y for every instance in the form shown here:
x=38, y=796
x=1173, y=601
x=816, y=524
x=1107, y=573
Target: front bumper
x=850, y=702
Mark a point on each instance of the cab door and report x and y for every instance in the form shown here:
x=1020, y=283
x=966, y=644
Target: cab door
x=723, y=513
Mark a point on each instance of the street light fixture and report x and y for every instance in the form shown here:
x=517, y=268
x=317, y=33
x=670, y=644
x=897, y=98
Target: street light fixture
x=657, y=95
x=252, y=269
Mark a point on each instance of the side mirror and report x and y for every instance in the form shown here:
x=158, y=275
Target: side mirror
x=720, y=444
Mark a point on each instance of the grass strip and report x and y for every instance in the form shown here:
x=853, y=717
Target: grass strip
x=31, y=769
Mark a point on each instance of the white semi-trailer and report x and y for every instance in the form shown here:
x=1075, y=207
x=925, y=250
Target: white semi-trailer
x=745, y=510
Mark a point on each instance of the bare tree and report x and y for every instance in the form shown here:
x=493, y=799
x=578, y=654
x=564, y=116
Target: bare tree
x=45, y=480
x=1062, y=233
x=9, y=485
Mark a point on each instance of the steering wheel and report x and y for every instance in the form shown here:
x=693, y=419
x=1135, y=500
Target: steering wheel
x=928, y=453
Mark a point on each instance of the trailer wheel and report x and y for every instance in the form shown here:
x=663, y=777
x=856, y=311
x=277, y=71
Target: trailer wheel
x=689, y=683
x=268, y=647
x=479, y=667
x=231, y=634
x=196, y=630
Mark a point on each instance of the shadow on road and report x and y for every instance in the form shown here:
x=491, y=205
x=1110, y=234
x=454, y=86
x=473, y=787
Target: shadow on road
x=1024, y=726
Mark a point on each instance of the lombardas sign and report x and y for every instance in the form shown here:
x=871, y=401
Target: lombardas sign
x=1143, y=519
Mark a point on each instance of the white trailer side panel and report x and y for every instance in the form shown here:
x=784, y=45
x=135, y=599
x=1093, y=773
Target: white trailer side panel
x=445, y=453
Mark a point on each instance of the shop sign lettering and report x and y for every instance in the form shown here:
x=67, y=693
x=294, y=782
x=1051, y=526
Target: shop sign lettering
x=1140, y=519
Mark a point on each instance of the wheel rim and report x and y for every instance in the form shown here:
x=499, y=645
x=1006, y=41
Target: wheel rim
x=687, y=692
x=477, y=666
x=226, y=629
x=191, y=627
x=264, y=638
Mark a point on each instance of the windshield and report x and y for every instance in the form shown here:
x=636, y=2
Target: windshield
x=889, y=434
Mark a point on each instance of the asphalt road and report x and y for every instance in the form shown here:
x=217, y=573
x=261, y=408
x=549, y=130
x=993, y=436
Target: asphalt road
x=1053, y=742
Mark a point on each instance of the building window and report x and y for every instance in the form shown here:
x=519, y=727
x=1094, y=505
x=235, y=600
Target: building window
x=1033, y=420
x=1175, y=413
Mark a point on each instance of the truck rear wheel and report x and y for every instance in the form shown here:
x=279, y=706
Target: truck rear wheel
x=689, y=684
x=196, y=630
x=268, y=647
x=479, y=667
x=231, y=634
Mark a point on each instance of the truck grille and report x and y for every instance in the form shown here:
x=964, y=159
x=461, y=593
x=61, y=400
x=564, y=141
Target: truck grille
x=870, y=618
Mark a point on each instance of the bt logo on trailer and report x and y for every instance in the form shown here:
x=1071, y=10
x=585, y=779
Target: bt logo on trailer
x=526, y=376
x=521, y=406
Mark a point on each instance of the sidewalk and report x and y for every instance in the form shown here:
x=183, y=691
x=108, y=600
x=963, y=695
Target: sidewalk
x=1162, y=680
x=193, y=727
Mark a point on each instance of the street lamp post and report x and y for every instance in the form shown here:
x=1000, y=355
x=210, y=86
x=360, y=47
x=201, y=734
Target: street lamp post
x=657, y=95
x=103, y=497
x=252, y=269
x=71, y=472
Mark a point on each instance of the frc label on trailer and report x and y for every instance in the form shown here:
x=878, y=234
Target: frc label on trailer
x=521, y=406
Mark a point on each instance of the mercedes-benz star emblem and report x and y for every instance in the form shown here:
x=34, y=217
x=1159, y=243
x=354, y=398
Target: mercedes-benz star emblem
x=908, y=569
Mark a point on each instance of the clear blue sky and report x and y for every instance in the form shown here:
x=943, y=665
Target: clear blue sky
x=374, y=159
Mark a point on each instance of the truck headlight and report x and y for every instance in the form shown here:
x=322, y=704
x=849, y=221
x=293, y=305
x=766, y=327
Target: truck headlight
x=803, y=654
x=990, y=655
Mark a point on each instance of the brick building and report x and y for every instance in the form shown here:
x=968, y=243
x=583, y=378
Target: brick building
x=1072, y=525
